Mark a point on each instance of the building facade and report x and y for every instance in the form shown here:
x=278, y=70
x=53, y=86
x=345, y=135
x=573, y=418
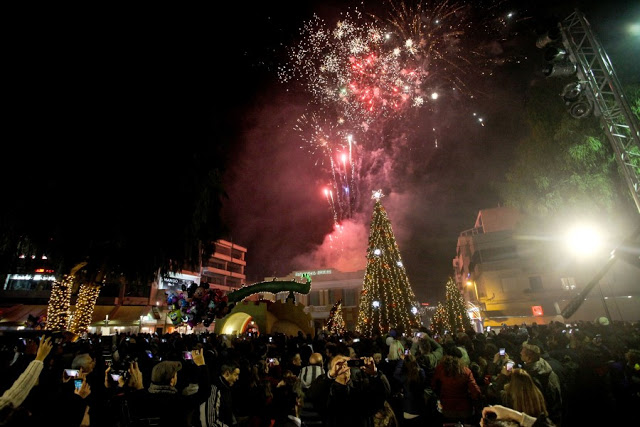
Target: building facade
x=512, y=277
x=117, y=309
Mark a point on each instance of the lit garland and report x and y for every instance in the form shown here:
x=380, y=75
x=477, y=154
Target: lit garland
x=87, y=297
x=335, y=322
x=59, y=301
x=387, y=299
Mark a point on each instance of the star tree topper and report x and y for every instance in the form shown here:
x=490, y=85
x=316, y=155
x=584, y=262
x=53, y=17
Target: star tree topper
x=377, y=195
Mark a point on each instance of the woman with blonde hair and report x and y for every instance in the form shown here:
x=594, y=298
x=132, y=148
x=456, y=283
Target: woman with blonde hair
x=523, y=395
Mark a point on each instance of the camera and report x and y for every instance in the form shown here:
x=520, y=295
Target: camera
x=502, y=352
x=406, y=352
x=77, y=384
x=187, y=355
x=116, y=376
x=355, y=363
x=510, y=365
x=272, y=360
x=356, y=340
x=149, y=353
x=490, y=416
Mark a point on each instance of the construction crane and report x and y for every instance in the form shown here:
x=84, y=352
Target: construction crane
x=573, y=48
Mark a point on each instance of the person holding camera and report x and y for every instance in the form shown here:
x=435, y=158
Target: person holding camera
x=345, y=401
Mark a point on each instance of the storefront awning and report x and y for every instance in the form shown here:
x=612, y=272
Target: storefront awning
x=19, y=313
x=100, y=312
x=126, y=314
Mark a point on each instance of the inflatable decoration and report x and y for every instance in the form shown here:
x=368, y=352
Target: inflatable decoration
x=197, y=304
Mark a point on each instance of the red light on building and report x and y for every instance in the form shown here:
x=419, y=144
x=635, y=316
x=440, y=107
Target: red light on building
x=537, y=310
x=39, y=270
x=424, y=303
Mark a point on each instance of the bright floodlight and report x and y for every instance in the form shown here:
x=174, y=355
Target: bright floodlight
x=583, y=240
x=434, y=95
x=376, y=304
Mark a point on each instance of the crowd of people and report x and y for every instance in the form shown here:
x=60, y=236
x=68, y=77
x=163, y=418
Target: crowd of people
x=558, y=374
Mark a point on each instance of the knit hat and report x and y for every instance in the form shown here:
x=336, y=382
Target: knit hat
x=531, y=347
x=162, y=372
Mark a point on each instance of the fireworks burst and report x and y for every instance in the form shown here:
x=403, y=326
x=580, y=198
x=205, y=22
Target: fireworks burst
x=366, y=72
x=442, y=40
x=353, y=69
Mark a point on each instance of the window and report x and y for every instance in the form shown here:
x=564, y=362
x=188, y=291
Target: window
x=314, y=298
x=535, y=283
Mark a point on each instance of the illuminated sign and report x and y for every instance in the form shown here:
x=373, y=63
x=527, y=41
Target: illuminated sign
x=312, y=273
x=537, y=310
x=30, y=277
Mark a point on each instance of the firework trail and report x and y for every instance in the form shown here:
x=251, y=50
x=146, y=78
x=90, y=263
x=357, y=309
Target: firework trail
x=337, y=152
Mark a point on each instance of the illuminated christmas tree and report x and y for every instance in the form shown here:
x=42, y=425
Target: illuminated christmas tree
x=456, y=309
x=335, y=322
x=439, y=322
x=387, y=300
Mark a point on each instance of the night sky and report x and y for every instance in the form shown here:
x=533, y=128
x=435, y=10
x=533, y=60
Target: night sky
x=117, y=94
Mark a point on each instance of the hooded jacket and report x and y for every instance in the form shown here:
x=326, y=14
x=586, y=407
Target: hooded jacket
x=548, y=382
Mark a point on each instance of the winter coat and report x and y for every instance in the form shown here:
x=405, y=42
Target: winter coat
x=549, y=384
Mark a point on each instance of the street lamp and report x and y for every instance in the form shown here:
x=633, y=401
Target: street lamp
x=584, y=241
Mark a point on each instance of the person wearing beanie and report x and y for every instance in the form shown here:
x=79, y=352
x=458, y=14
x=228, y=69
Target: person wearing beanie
x=161, y=402
x=545, y=378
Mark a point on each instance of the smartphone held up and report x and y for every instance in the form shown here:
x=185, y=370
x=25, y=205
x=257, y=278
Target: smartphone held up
x=72, y=373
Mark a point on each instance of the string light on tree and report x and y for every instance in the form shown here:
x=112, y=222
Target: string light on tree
x=456, y=315
x=439, y=323
x=335, y=322
x=85, y=305
x=387, y=299
x=59, y=302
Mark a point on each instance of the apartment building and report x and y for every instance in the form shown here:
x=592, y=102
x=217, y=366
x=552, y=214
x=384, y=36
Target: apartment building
x=514, y=277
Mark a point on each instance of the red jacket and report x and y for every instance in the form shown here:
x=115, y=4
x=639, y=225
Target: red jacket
x=456, y=393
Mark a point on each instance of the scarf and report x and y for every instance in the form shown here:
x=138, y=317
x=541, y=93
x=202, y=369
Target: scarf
x=162, y=389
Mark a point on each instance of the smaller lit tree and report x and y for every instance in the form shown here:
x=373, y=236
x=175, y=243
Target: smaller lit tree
x=335, y=322
x=439, y=320
x=456, y=309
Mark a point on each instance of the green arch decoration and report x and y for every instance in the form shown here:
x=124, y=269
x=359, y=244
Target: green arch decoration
x=273, y=287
